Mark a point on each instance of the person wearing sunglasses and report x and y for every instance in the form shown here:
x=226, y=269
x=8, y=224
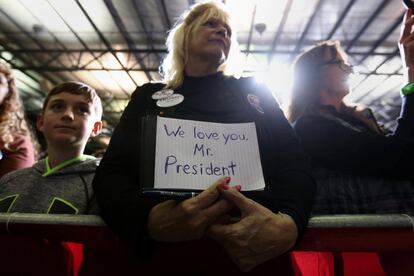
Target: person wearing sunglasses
x=359, y=167
x=349, y=150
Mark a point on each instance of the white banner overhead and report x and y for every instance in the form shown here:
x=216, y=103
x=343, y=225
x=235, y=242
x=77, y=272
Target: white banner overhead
x=194, y=154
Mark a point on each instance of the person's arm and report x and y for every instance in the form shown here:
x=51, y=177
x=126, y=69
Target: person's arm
x=405, y=128
x=405, y=44
x=272, y=222
x=21, y=157
x=137, y=219
x=116, y=181
x=174, y=221
x=292, y=187
x=259, y=236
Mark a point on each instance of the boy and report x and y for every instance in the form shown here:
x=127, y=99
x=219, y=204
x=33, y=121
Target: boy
x=60, y=183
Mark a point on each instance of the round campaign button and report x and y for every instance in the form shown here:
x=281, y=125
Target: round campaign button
x=162, y=94
x=172, y=100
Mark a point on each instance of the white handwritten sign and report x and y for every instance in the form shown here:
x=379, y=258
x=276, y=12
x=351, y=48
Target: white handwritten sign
x=193, y=154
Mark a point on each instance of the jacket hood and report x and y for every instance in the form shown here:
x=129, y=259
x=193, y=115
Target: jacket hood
x=80, y=167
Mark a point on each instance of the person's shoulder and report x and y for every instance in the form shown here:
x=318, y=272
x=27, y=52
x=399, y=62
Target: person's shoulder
x=312, y=121
x=241, y=81
x=148, y=88
x=88, y=165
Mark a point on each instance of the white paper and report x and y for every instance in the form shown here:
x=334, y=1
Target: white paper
x=194, y=154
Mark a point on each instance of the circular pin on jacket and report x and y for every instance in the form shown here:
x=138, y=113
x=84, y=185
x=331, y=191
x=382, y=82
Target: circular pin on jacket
x=162, y=94
x=255, y=102
x=172, y=100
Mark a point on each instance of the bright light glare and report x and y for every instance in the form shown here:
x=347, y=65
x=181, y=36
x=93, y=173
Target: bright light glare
x=278, y=79
x=355, y=79
x=242, y=12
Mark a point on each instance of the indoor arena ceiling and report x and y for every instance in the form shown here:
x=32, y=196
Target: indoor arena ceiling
x=115, y=45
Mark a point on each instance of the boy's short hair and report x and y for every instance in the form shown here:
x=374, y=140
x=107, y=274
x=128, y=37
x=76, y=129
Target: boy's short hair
x=77, y=88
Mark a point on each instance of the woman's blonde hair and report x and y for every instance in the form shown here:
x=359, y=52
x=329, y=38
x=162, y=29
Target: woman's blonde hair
x=306, y=88
x=12, y=116
x=172, y=67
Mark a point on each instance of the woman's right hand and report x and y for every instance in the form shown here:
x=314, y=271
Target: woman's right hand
x=174, y=221
x=406, y=45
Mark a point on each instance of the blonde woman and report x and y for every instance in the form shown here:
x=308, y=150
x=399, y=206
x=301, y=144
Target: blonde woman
x=199, y=86
x=16, y=147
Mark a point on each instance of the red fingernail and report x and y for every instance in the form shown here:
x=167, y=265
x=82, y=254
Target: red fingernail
x=224, y=186
x=238, y=187
x=228, y=180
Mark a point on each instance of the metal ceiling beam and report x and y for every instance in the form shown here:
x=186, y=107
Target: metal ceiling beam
x=367, y=24
x=166, y=15
x=374, y=72
x=249, y=39
x=23, y=59
x=377, y=43
x=162, y=51
x=20, y=55
x=50, y=33
x=75, y=68
x=89, y=50
x=144, y=27
x=120, y=24
x=14, y=66
x=396, y=72
x=341, y=18
x=71, y=69
x=86, y=47
x=280, y=28
x=105, y=41
x=95, y=58
x=308, y=26
x=34, y=39
x=40, y=95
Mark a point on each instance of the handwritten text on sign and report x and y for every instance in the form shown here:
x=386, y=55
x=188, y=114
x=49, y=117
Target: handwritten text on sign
x=194, y=154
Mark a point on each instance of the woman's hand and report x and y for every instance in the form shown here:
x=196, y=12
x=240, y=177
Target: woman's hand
x=260, y=235
x=174, y=221
x=406, y=45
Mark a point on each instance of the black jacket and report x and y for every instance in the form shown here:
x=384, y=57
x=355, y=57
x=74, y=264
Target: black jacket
x=340, y=142
x=289, y=186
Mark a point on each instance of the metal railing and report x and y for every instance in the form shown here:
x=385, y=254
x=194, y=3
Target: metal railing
x=326, y=233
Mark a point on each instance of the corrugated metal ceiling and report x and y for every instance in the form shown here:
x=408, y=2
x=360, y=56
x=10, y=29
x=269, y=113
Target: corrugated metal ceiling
x=115, y=45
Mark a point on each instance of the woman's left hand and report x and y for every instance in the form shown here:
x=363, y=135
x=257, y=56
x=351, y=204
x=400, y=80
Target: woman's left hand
x=260, y=235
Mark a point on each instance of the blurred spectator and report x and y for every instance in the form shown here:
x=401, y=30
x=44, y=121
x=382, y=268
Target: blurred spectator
x=359, y=168
x=16, y=139
x=97, y=145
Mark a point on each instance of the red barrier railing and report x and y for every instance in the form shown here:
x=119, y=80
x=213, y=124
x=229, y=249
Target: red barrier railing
x=325, y=233
x=106, y=255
